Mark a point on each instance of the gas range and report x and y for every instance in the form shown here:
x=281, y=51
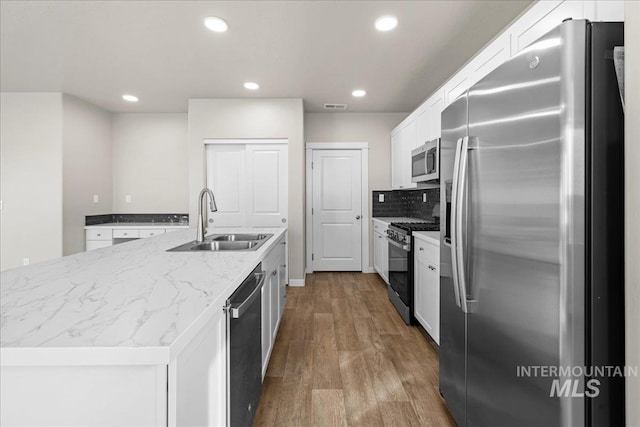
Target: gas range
x=401, y=231
x=400, y=257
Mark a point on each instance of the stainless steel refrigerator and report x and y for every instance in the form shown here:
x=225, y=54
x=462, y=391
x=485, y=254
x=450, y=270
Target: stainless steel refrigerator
x=532, y=238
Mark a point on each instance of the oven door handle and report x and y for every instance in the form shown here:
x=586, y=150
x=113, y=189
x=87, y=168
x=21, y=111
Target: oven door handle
x=406, y=248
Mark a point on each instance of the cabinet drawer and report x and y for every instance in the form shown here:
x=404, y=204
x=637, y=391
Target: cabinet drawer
x=380, y=228
x=126, y=233
x=98, y=234
x=148, y=232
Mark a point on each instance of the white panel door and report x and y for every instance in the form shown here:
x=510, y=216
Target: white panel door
x=337, y=210
x=267, y=185
x=226, y=178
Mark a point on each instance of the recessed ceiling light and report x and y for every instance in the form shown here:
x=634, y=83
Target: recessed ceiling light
x=386, y=23
x=130, y=98
x=251, y=85
x=216, y=24
x=358, y=93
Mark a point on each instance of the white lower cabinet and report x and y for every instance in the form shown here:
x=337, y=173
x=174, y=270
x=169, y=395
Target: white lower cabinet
x=426, y=283
x=102, y=236
x=381, y=250
x=273, y=297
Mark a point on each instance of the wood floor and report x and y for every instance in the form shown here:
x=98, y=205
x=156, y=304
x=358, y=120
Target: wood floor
x=343, y=356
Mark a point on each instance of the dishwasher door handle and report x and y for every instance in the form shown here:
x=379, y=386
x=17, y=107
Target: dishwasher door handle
x=238, y=310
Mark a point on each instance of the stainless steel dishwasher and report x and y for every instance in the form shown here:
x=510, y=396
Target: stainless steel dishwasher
x=244, y=350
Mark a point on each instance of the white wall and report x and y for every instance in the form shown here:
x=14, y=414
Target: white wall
x=253, y=118
x=86, y=168
x=632, y=201
x=31, y=177
x=150, y=163
x=374, y=128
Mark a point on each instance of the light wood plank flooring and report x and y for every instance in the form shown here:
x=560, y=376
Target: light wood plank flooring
x=343, y=356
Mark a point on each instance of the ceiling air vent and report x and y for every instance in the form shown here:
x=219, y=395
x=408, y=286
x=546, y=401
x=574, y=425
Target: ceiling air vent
x=335, y=106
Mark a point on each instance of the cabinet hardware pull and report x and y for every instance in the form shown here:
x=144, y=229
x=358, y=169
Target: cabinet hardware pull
x=422, y=249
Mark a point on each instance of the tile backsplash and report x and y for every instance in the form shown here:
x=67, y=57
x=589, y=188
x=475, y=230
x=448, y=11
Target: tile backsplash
x=406, y=203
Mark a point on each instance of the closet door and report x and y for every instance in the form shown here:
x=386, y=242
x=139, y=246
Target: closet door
x=226, y=177
x=266, y=185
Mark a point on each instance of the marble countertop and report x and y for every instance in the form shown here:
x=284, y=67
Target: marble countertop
x=139, y=225
x=431, y=236
x=131, y=296
x=388, y=219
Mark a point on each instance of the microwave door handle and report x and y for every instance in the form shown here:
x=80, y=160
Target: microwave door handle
x=454, y=231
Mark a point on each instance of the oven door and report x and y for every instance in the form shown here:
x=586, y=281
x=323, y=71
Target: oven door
x=399, y=277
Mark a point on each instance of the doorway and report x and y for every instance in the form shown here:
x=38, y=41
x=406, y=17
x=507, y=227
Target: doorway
x=337, y=207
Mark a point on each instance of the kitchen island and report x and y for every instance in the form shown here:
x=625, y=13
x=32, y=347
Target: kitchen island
x=124, y=335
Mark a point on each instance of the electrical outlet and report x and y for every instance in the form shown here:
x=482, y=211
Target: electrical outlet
x=96, y=198
x=127, y=198
x=25, y=261
x=381, y=198
x=424, y=197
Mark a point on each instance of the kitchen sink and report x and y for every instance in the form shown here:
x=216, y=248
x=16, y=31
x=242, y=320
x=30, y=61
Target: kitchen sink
x=225, y=242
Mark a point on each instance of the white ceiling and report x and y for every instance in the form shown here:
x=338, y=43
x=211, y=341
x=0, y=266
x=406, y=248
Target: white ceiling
x=316, y=50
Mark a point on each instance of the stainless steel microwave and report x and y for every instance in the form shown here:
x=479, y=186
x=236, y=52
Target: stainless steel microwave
x=425, y=162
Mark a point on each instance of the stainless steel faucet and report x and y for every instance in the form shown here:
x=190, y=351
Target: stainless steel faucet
x=201, y=218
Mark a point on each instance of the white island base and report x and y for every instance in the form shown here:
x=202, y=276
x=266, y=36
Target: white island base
x=181, y=383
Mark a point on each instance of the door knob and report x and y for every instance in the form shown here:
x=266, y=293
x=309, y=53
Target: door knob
x=357, y=216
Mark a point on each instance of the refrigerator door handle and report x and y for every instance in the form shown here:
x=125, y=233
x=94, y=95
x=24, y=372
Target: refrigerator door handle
x=454, y=231
x=468, y=305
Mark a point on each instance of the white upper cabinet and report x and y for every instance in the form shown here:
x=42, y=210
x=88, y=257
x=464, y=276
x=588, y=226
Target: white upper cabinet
x=457, y=85
x=541, y=19
x=250, y=184
x=403, y=141
x=424, y=123
x=409, y=143
x=396, y=158
x=491, y=57
x=423, y=127
x=435, y=105
x=604, y=10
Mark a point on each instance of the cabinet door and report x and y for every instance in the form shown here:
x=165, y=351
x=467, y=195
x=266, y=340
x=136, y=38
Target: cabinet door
x=267, y=186
x=377, y=252
x=494, y=55
x=427, y=289
x=457, y=85
x=540, y=19
x=226, y=178
x=435, y=105
x=423, y=125
x=409, y=142
x=396, y=159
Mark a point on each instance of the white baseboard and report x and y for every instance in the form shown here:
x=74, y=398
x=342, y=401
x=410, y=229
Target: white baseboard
x=368, y=270
x=296, y=282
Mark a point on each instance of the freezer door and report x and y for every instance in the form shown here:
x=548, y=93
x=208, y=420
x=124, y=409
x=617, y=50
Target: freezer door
x=452, y=352
x=524, y=230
